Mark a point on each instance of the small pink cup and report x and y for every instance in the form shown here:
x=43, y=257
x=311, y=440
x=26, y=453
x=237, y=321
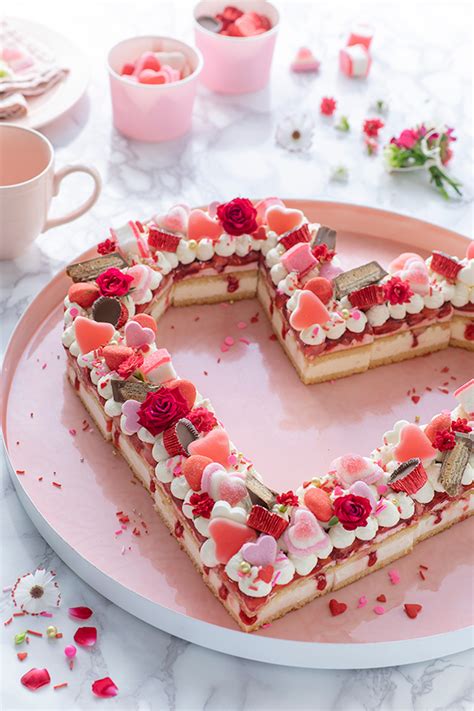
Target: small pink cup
x=152, y=112
x=236, y=65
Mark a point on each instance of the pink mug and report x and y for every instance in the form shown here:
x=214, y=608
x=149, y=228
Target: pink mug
x=236, y=65
x=28, y=183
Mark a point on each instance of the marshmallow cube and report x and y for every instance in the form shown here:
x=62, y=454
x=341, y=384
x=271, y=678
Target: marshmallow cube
x=355, y=61
x=158, y=367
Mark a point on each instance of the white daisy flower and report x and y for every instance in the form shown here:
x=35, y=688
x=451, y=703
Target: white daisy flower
x=35, y=592
x=295, y=132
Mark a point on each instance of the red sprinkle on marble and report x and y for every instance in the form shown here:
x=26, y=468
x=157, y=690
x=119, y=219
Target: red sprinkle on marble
x=412, y=610
x=20, y=471
x=337, y=608
x=425, y=567
x=444, y=391
x=22, y=656
x=381, y=598
x=35, y=633
x=60, y=686
x=415, y=399
x=8, y=622
x=57, y=484
x=422, y=575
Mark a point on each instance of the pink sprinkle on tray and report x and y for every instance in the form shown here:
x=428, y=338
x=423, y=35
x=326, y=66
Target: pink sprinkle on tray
x=229, y=341
x=241, y=325
x=379, y=610
x=394, y=576
x=72, y=432
x=362, y=601
x=245, y=341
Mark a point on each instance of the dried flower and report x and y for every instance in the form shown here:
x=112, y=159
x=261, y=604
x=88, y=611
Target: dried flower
x=327, y=106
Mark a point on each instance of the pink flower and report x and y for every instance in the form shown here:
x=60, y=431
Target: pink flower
x=407, y=139
x=372, y=127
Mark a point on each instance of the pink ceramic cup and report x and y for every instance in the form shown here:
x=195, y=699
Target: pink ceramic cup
x=28, y=182
x=152, y=112
x=236, y=65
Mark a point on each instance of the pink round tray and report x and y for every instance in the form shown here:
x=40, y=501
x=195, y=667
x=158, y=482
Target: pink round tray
x=290, y=430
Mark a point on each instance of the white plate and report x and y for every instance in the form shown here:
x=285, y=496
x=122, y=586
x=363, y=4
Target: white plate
x=60, y=98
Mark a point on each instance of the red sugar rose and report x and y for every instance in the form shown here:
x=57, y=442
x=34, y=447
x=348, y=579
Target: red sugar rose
x=328, y=106
x=352, y=511
x=130, y=365
x=202, y=419
x=461, y=425
x=202, y=505
x=238, y=217
x=161, y=409
x=114, y=282
x=106, y=247
x=444, y=440
x=397, y=291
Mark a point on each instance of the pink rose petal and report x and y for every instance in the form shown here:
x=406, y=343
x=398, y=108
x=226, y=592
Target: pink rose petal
x=86, y=636
x=80, y=613
x=104, y=688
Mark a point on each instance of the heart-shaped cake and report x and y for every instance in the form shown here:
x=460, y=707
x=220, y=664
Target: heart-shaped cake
x=257, y=548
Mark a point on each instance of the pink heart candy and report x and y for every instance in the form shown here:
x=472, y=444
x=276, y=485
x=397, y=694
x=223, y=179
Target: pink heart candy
x=399, y=263
x=310, y=310
x=351, y=468
x=264, y=205
x=222, y=486
x=150, y=76
x=304, y=536
x=282, y=219
x=130, y=410
x=416, y=274
x=262, y=552
x=136, y=336
x=201, y=225
x=175, y=220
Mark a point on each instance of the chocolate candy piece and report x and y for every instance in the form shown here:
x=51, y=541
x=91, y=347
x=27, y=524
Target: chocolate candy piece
x=326, y=235
x=454, y=463
x=123, y=390
x=409, y=476
x=107, y=309
x=355, y=279
x=258, y=492
x=91, y=268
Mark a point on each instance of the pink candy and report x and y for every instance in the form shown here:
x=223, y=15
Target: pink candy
x=355, y=59
x=299, y=258
x=156, y=68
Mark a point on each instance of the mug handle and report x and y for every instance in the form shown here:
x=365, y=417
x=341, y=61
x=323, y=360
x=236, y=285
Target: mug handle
x=91, y=200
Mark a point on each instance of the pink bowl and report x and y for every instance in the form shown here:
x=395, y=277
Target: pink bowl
x=236, y=65
x=152, y=112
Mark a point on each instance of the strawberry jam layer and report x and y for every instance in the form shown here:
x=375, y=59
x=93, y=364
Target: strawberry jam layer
x=217, y=263
x=425, y=317
x=466, y=310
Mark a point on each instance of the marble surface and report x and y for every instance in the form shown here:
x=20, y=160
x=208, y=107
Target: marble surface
x=231, y=151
